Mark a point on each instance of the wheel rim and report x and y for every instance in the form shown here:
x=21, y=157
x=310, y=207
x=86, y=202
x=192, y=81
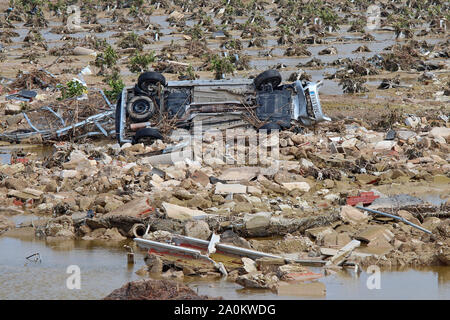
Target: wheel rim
x=141, y=107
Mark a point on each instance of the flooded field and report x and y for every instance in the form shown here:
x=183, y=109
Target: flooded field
x=104, y=268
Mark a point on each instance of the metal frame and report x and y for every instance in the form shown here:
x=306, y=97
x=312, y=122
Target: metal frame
x=97, y=119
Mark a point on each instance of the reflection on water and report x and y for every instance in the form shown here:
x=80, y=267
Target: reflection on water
x=104, y=268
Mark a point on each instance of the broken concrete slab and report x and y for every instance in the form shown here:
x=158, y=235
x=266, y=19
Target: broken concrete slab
x=300, y=185
x=343, y=253
x=197, y=229
x=258, y=222
x=138, y=208
x=352, y=215
x=395, y=201
x=257, y=280
x=249, y=265
x=239, y=174
x=174, y=211
x=230, y=188
x=319, y=232
x=373, y=233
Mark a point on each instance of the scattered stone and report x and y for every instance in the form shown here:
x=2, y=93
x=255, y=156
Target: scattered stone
x=197, y=229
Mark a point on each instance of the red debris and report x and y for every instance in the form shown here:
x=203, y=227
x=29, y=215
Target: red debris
x=363, y=197
x=21, y=160
x=17, y=202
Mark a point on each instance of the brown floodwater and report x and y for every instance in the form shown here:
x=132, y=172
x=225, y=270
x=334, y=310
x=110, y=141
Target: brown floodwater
x=104, y=268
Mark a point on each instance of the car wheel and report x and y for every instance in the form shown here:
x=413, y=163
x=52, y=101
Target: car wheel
x=140, y=108
x=272, y=77
x=150, y=78
x=146, y=133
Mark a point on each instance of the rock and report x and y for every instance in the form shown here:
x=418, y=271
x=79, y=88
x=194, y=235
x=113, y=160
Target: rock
x=319, y=232
x=80, y=51
x=113, y=234
x=444, y=255
x=230, y=188
x=78, y=161
x=350, y=143
x=352, y=215
x=257, y=280
x=249, y=265
x=239, y=174
x=154, y=290
x=5, y=224
x=335, y=239
x=17, y=184
x=405, y=135
x=69, y=174
x=301, y=185
x=11, y=109
x=23, y=195
x=431, y=223
x=266, y=265
x=373, y=233
x=143, y=272
x=174, y=211
x=254, y=190
x=137, y=208
x=154, y=263
x=440, y=132
x=61, y=226
x=296, y=272
x=197, y=229
x=385, y=145
x=172, y=274
x=305, y=163
x=112, y=205
x=408, y=216
x=258, y=222
x=183, y=194
x=200, y=177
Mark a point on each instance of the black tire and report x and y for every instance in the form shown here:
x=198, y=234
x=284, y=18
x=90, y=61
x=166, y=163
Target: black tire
x=146, y=133
x=269, y=76
x=138, y=91
x=150, y=78
x=140, y=108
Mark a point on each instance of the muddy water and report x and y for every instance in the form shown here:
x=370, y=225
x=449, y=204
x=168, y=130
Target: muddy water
x=8, y=152
x=104, y=268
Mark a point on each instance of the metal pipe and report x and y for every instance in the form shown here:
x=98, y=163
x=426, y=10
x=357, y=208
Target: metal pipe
x=242, y=251
x=395, y=217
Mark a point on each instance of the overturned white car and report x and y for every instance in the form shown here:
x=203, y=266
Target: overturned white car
x=263, y=102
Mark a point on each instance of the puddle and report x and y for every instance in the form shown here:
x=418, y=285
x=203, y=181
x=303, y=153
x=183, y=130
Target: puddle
x=104, y=268
x=13, y=153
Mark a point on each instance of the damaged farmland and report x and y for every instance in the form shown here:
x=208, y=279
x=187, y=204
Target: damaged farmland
x=184, y=143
